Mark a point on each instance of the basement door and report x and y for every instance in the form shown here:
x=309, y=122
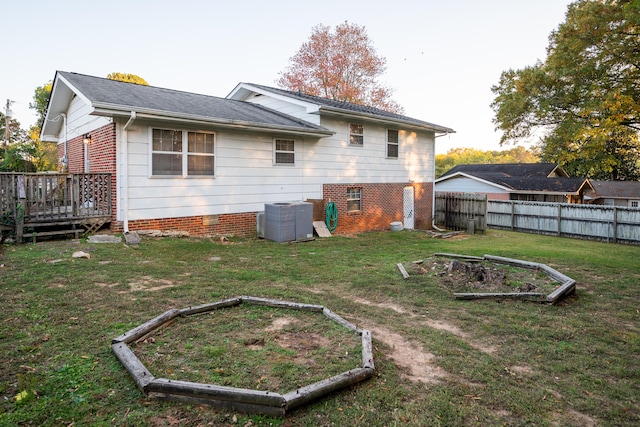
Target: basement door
x=408, y=208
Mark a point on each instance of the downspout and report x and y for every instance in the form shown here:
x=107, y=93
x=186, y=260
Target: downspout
x=65, y=159
x=124, y=181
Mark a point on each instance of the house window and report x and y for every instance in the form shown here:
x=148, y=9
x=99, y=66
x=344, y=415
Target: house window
x=178, y=153
x=356, y=134
x=392, y=143
x=634, y=204
x=354, y=199
x=200, y=155
x=167, y=152
x=284, y=150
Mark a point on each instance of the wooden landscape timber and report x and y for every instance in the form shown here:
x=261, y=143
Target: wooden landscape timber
x=140, y=374
x=313, y=391
x=281, y=304
x=500, y=295
x=231, y=398
x=209, y=307
x=567, y=284
x=367, y=350
x=403, y=271
x=145, y=328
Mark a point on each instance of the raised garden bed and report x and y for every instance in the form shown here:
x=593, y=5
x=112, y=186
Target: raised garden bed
x=229, y=397
x=493, y=277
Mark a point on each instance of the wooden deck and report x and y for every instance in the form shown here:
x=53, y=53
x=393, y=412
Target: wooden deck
x=46, y=204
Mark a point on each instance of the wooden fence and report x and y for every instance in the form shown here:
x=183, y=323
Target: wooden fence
x=461, y=211
x=596, y=222
x=47, y=199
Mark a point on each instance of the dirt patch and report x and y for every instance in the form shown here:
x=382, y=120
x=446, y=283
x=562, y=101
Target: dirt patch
x=482, y=276
x=279, y=323
x=415, y=363
x=302, y=341
x=573, y=418
x=385, y=305
x=434, y=324
x=514, y=370
x=454, y=330
x=150, y=284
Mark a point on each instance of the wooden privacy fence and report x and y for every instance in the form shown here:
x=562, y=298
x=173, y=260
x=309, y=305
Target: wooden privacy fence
x=461, y=211
x=606, y=223
x=47, y=199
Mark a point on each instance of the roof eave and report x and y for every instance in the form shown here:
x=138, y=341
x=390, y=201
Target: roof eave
x=408, y=123
x=474, y=178
x=122, y=111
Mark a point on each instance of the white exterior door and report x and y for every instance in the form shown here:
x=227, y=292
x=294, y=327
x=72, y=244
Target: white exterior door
x=408, y=208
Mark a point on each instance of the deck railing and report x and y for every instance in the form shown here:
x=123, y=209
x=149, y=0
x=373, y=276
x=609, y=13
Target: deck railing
x=47, y=197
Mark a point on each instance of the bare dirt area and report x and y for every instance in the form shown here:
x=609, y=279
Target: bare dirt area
x=481, y=276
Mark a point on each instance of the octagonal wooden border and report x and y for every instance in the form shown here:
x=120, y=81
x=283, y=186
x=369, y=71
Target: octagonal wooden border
x=231, y=398
x=567, y=284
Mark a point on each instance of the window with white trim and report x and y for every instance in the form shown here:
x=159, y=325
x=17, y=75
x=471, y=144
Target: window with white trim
x=284, y=151
x=356, y=134
x=354, y=199
x=392, y=143
x=182, y=153
x=634, y=204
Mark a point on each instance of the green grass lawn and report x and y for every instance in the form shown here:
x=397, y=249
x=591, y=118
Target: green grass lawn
x=439, y=362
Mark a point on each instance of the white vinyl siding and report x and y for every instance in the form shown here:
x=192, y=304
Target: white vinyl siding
x=245, y=176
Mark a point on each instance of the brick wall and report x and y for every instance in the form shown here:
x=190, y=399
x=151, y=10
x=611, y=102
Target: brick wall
x=101, y=153
x=240, y=224
x=381, y=205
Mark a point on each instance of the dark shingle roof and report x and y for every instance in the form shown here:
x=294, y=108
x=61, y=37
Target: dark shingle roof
x=522, y=177
x=331, y=104
x=617, y=189
x=111, y=94
x=519, y=170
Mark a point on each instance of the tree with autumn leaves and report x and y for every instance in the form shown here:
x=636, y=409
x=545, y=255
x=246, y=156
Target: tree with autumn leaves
x=340, y=65
x=584, y=99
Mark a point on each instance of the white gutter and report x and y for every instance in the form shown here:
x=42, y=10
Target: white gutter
x=124, y=173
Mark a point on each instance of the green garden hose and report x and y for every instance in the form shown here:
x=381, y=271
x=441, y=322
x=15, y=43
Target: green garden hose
x=331, y=217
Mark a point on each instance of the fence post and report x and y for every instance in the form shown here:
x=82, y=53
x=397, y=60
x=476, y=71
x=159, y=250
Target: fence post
x=559, y=219
x=513, y=209
x=615, y=224
x=20, y=210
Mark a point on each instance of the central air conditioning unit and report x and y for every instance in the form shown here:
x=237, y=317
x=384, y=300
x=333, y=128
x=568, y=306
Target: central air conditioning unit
x=287, y=222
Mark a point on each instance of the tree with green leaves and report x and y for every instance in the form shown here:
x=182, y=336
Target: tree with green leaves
x=128, y=78
x=41, y=101
x=471, y=156
x=584, y=100
x=342, y=65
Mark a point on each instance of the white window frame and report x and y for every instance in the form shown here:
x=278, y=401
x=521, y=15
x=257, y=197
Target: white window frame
x=184, y=153
x=276, y=152
x=357, y=136
x=351, y=197
x=396, y=143
x=634, y=203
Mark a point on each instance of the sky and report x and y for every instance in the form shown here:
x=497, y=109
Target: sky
x=443, y=57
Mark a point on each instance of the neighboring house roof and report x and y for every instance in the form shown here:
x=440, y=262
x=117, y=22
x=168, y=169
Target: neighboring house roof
x=341, y=108
x=615, y=189
x=520, y=177
x=520, y=170
x=114, y=98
